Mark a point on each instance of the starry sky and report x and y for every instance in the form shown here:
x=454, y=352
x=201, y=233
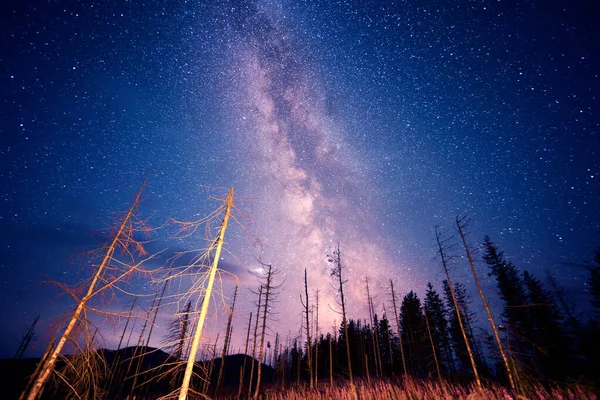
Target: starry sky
x=363, y=123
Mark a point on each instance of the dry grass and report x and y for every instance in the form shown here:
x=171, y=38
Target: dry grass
x=414, y=389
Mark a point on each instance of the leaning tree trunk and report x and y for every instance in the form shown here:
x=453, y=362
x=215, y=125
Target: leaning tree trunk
x=457, y=310
x=49, y=363
x=461, y=224
x=213, y=271
x=398, y=327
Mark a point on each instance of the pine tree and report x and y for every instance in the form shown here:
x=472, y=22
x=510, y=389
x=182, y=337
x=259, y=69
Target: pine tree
x=436, y=313
x=546, y=332
x=511, y=291
x=412, y=322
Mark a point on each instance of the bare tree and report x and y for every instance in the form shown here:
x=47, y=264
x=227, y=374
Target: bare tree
x=243, y=370
x=109, y=274
x=29, y=335
x=374, y=331
x=216, y=247
x=389, y=340
x=317, y=335
x=398, y=326
x=227, y=339
x=442, y=247
x=335, y=260
x=437, y=364
x=271, y=293
x=307, y=327
x=461, y=225
x=255, y=336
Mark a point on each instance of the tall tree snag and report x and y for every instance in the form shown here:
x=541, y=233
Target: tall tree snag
x=336, y=260
x=308, y=340
x=269, y=288
x=398, y=326
x=121, y=238
x=442, y=253
x=461, y=225
x=217, y=245
x=227, y=340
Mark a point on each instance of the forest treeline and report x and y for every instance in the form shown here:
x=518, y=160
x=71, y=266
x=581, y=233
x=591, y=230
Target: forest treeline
x=535, y=340
x=546, y=340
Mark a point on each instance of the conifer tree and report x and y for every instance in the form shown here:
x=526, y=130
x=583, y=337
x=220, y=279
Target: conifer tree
x=515, y=312
x=413, y=324
x=547, y=333
x=436, y=314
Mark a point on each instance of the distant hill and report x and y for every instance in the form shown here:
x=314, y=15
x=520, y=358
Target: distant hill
x=16, y=373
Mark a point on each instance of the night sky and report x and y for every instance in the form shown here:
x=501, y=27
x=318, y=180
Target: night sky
x=359, y=122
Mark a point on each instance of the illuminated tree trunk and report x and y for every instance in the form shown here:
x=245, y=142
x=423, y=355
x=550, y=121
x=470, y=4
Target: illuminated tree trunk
x=227, y=340
x=198, y=333
x=461, y=225
x=398, y=327
x=51, y=361
x=442, y=253
x=38, y=367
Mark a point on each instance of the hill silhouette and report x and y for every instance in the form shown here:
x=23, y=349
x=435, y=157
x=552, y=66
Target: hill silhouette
x=154, y=364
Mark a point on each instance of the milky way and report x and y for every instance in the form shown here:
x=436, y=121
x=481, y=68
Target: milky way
x=356, y=123
x=300, y=171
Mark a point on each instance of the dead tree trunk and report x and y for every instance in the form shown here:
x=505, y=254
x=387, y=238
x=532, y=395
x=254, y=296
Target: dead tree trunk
x=389, y=339
x=461, y=224
x=317, y=336
x=330, y=360
x=260, y=292
x=437, y=365
x=243, y=370
x=227, y=339
x=51, y=360
x=26, y=339
x=375, y=333
x=207, y=295
x=336, y=260
x=442, y=253
x=398, y=327
x=269, y=287
x=308, y=341
x=179, y=350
